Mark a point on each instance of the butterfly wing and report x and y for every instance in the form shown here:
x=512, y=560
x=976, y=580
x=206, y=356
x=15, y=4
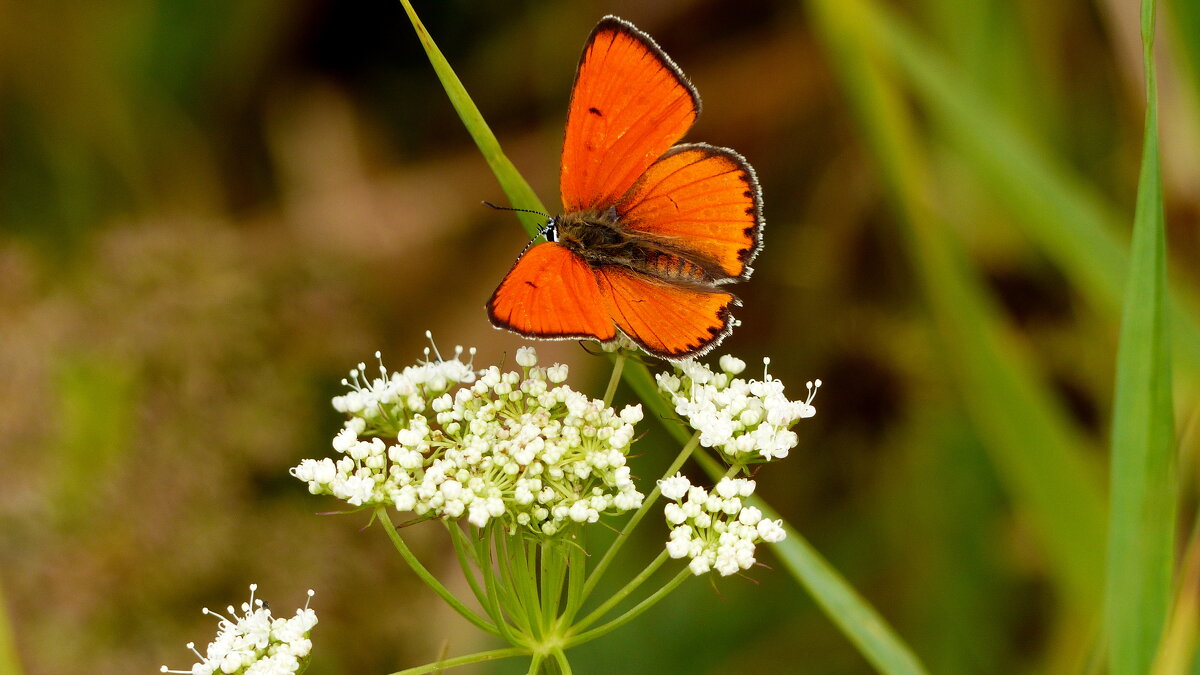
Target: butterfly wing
x=630, y=103
x=704, y=201
x=551, y=293
x=670, y=321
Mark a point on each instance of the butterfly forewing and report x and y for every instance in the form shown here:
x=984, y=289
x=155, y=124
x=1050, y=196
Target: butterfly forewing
x=551, y=293
x=630, y=103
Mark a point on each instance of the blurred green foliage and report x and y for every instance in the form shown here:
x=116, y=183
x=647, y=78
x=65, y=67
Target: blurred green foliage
x=210, y=211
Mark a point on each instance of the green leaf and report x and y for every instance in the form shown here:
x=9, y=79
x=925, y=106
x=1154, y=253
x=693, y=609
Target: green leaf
x=858, y=620
x=1186, y=22
x=1037, y=451
x=1055, y=208
x=1141, y=530
x=511, y=181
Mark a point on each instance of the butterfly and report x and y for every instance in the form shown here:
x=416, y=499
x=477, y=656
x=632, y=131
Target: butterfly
x=651, y=231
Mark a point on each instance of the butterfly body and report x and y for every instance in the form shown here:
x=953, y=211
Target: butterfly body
x=652, y=231
x=600, y=239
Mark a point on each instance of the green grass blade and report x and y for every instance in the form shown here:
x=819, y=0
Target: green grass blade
x=519, y=193
x=1181, y=635
x=1038, y=453
x=1141, y=530
x=856, y=618
x=841, y=603
x=1056, y=210
x=1185, y=15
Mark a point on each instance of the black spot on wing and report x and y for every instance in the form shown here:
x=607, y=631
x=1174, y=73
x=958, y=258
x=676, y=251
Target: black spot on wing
x=596, y=112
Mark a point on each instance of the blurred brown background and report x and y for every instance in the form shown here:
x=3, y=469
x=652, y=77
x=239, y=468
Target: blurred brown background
x=209, y=211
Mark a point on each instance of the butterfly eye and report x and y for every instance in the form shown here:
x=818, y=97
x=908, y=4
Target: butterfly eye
x=550, y=232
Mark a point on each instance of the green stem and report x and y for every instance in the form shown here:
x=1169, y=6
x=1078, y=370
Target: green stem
x=633, y=613
x=462, y=548
x=618, y=366
x=492, y=584
x=481, y=657
x=553, y=574
x=611, y=553
x=535, y=664
x=620, y=595
x=564, y=666
x=514, y=566
x=428, y=578
x=577, y=575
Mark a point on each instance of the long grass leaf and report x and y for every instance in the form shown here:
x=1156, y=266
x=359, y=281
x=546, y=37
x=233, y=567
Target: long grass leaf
x=848, y=610
x=1037, y=451
x=1056, y=209
x=511, y=181
x=1185, y=15
x=1181, y=635
x=1141, y=530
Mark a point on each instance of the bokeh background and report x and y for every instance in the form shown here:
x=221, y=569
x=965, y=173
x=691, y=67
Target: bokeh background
x=210, y=211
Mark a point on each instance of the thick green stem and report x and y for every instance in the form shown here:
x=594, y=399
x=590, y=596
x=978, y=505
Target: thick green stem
x=564, y=666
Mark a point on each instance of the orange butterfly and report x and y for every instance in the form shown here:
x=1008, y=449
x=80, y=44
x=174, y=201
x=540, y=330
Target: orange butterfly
x=651, y=230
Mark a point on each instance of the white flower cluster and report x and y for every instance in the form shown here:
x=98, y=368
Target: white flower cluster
x=620, y=343
x=255, y=643
x=389, y=401
x=716, y=530
x=746, y=420
x=520, y=447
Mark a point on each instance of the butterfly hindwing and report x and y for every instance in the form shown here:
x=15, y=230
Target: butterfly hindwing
x=630, y=103
x=700, y=199
x=551, y=293
x=670, y=321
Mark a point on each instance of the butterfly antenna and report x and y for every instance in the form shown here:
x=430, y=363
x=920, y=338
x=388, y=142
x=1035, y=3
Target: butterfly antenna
x=509, y=208
x=549, y=232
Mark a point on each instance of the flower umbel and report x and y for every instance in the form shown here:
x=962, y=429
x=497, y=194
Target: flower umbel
x=715, y=529
x=443, y=441
x=255, y=643
x=748, y=421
